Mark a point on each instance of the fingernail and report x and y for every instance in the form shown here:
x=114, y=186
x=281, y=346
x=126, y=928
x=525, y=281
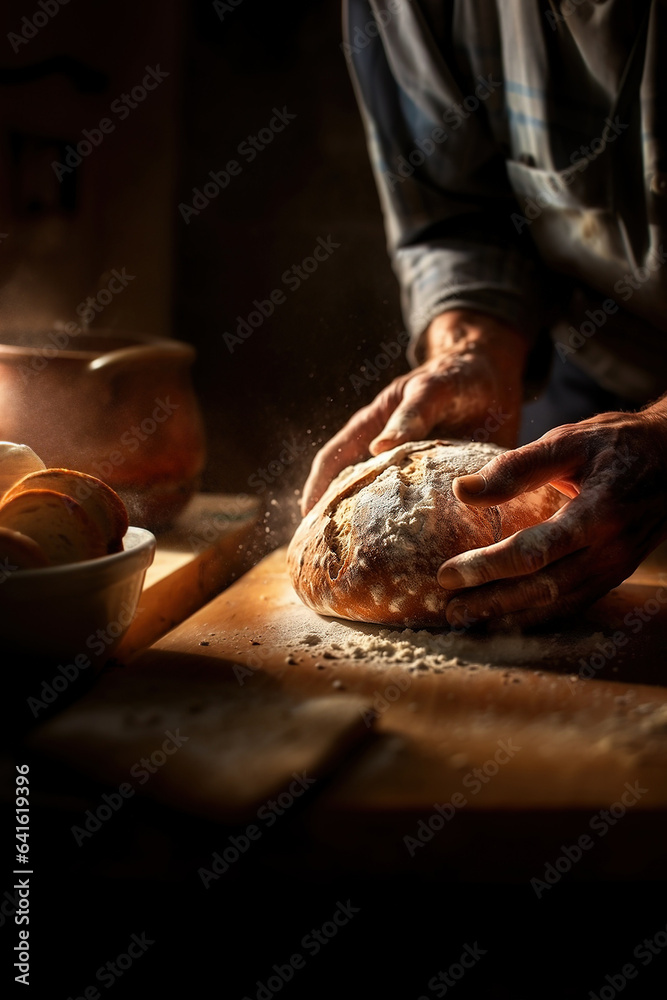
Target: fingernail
x=473, y=484
x=384, y=443
x=450, y=578
x=457, y=613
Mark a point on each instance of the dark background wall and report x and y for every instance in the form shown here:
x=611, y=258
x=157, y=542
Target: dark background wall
x=200, y=265
x=292, y=376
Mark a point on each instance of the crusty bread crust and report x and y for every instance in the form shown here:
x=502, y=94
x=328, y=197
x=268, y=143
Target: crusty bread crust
x=370, y=549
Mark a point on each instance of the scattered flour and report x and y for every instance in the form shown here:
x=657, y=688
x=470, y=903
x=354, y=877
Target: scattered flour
x=426, y=650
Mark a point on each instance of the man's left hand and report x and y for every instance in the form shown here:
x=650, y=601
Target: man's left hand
x=613, y=467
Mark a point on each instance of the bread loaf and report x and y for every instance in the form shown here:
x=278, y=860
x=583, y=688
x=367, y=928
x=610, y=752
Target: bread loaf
x=370, y=549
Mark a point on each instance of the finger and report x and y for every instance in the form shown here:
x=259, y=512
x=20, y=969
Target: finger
x=415, y=415
x=349, y=445
x=522, y=470
x=335, y=456
x=527, y=551
x=405, y=424
x=561, y=588
x=571, y=604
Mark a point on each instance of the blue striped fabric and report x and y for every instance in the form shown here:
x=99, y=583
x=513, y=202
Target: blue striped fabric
x=519, y=152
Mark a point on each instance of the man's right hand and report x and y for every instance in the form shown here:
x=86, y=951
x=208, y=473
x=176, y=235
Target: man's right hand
x=469, y=387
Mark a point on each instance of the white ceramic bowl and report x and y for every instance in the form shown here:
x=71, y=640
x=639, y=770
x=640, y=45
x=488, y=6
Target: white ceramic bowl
x=81, y=609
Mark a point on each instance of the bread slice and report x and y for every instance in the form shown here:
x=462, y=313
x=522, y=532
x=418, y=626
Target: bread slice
x=18, y=551
x=102, y=505
x=59, y=525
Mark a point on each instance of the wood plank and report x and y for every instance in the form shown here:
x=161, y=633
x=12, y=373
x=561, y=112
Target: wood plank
x=263, y=687
x=581, y=739
x=181, y=729
x=208, y=546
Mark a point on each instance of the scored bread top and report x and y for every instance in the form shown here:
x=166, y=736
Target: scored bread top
x=371, y=547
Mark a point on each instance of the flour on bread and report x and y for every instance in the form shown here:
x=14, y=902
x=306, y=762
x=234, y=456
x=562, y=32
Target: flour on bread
x=370, y=548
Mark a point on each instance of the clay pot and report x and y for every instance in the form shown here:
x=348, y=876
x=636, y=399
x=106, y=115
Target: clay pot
x=117, y=406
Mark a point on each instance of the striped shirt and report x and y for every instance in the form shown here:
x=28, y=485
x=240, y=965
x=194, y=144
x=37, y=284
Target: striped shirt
x=521, y=161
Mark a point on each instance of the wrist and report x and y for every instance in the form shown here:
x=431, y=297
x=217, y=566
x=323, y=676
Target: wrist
x=656, y=414
x=464, y=331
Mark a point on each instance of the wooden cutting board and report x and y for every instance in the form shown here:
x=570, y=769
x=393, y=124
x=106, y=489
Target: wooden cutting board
x=181, y=729
x=263, y=686
x=204, y=550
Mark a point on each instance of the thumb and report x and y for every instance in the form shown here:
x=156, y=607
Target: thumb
x=415, y=416
x=519, y=471
x=405, y=424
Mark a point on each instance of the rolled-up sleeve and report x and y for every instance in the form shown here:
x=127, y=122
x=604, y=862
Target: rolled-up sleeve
x=433, y=112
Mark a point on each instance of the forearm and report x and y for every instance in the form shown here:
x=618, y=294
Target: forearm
x=656, y=414
x=465, y=329
x=658, y=409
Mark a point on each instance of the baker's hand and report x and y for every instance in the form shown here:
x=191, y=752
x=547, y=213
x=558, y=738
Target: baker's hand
x=614, y=469
x=468, y=387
